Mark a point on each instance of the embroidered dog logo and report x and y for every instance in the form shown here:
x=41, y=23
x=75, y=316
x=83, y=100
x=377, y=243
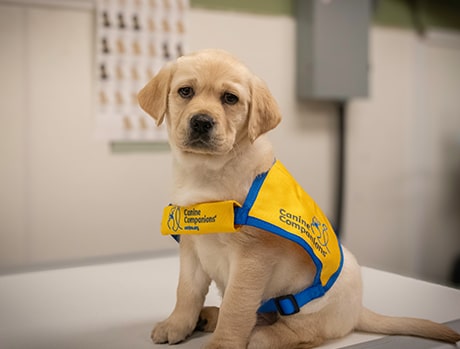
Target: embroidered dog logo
x=174, y=219
x=322, y=232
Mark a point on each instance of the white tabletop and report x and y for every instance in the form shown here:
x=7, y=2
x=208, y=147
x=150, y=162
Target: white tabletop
x=115, y=305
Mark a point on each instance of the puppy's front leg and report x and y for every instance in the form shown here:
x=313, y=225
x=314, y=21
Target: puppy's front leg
x=191, y=292
x=242, y=298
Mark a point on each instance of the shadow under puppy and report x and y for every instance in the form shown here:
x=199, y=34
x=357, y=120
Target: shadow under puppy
x=277, y=292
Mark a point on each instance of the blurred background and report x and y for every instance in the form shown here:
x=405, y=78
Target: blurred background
x=384, y=164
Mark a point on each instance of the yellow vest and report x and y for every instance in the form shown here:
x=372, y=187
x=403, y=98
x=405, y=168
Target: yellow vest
x=275, y=203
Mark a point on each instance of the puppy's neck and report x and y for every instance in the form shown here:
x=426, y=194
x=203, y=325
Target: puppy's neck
x=203, y=178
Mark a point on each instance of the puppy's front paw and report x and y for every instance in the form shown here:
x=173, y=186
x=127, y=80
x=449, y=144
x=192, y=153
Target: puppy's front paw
x=170, y=331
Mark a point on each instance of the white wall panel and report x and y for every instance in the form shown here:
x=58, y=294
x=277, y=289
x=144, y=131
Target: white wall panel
x=13, y=140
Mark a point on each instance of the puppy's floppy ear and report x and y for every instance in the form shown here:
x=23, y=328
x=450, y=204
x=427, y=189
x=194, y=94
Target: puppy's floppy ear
x=264, y=113
x=153, y=98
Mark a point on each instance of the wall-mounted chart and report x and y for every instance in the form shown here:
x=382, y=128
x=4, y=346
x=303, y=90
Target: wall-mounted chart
x=135, y=38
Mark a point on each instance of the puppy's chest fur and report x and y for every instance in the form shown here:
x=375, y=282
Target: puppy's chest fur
x=191, y=189
x=215, y=255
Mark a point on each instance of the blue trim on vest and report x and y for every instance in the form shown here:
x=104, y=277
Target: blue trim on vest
x=241, y=213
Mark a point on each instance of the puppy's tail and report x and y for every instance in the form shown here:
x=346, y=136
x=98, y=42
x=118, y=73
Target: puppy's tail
x=377, y=323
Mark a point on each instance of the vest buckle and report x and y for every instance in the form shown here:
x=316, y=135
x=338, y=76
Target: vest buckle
x=286, y=305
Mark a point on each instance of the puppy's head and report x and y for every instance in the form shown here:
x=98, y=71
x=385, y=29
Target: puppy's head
x=211, y=103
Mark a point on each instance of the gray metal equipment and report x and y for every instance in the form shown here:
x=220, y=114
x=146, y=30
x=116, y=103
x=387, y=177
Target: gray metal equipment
x=332, y=48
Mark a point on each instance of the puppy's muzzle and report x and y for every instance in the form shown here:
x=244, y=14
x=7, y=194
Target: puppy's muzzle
x=201, y=125
x=202, y=133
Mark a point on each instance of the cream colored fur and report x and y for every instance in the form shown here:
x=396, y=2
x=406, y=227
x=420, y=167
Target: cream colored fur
x=252, y=265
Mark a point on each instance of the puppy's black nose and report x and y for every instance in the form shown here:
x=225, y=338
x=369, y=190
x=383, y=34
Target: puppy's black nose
x=201, y=123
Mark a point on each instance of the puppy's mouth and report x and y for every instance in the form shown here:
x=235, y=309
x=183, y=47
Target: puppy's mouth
x=203, y=143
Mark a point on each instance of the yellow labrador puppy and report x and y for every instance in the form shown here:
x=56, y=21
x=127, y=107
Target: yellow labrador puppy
x=216, y=113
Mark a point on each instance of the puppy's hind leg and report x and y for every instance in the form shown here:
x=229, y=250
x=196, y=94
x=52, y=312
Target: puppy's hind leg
x=292, y=332
x=207, y=320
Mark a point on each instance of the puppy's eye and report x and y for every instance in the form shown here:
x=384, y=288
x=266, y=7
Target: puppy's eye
x=229, y=98
x=186, y=92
